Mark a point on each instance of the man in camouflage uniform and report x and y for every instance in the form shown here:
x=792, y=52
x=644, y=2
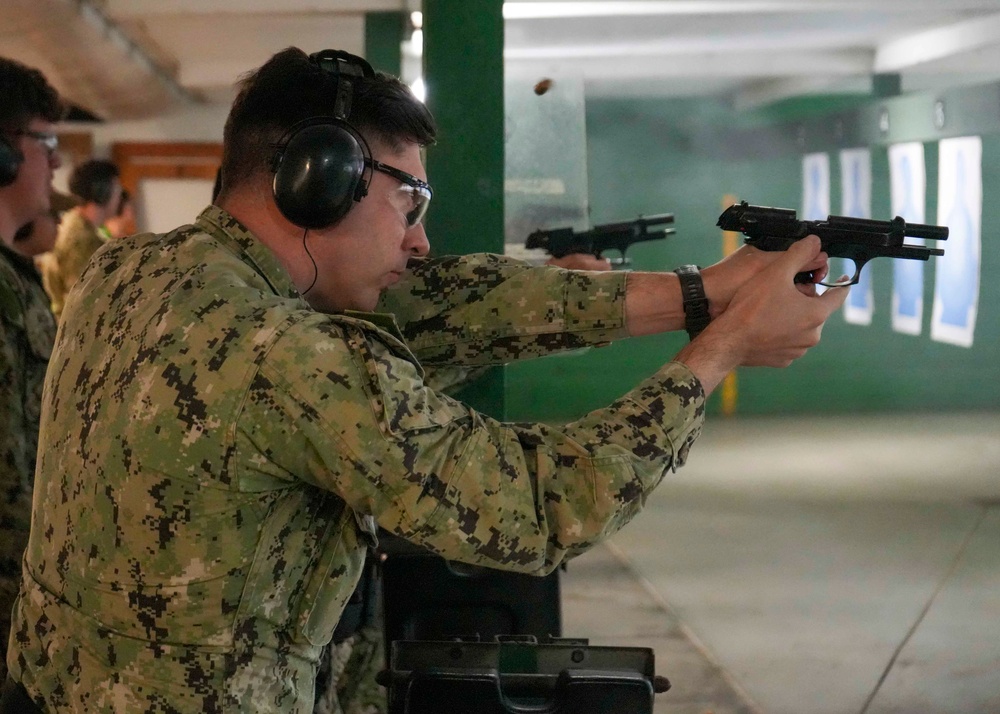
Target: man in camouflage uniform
x=27, y=329
x=227, y=422
x=96, y=185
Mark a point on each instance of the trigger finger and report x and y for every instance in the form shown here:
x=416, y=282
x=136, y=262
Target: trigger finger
x=820, y=273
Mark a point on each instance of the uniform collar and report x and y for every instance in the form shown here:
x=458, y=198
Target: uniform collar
x=227, y=229
x=224, y=227
x=24, y=265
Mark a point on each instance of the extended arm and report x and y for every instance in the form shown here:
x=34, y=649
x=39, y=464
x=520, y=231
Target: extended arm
x=485, y=309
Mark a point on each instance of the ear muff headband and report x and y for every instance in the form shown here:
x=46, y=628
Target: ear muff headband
x=322, y=164
x=10, y=161
x=346, y=67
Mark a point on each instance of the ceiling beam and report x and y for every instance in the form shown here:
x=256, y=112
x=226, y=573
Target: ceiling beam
x=760, y=94
x=119, y=39
x=937, y=44
x=140, y=9
x=834, y=63
x=517, y=10
x=90, y=59
x=670, y=47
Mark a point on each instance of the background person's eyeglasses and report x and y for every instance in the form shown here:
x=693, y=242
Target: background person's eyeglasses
x=418, y=191
x=46, y=138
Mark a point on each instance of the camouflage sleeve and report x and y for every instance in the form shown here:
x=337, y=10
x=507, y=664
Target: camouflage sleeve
x=487, y=309
x=12, y=436
x=15, y=501
x=10, y=411
x=513, y=496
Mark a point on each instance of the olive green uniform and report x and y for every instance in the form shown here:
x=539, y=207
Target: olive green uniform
x=78, y=239
x=218, y=453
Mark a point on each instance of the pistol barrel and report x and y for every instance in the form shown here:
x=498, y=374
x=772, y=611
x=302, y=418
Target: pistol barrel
x=913, y=230
x=919, y=230
x=635, y=227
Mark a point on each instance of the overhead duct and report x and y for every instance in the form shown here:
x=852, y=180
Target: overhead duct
x=90, y=59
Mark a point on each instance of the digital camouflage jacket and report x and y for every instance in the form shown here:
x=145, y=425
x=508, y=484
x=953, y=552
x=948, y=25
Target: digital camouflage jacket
x=216, y=452
x=27, y=331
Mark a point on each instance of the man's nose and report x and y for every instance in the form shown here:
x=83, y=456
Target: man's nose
x=416, y=242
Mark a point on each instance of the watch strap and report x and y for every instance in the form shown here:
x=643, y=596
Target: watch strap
x=696, y=314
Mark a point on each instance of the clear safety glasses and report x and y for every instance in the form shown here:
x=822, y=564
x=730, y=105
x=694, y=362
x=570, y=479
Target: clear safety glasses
x=47, y=139
x=418, y=193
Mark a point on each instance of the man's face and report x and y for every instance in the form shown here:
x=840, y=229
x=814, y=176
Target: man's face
x=41, y=236
x=30, y=192
x=368, y=249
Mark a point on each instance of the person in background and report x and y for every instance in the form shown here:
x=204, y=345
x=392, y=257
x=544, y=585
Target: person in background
x=229, y=422
x=122, y=223
x=28, y=156
x=96, y=185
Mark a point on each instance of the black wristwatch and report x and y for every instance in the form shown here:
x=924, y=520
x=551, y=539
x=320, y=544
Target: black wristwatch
x=696, y=315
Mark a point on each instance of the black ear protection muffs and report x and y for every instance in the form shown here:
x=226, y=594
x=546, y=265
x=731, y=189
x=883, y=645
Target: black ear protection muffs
x=10, y=161
x=322, y=165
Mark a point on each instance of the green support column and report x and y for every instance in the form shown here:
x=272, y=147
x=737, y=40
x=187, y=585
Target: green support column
x=383, y=40
x=463, y=73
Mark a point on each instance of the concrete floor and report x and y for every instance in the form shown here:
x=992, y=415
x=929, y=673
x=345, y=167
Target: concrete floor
x=820, y=566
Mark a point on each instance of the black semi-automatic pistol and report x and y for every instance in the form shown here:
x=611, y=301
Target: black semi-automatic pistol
x=859, y=239
x=559, y=242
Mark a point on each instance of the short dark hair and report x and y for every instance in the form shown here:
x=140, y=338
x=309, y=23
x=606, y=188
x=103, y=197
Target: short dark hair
x=289, y=87
x=93, y=180
x=26, y=95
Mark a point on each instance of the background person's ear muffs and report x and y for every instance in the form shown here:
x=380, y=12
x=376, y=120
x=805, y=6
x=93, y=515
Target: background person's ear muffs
x=11, y=159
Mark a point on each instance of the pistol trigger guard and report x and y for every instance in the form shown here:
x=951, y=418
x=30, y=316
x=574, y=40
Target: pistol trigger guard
x=843, y=283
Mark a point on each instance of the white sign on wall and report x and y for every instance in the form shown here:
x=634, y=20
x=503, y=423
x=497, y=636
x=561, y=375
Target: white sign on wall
x=815, y=187
x=815, y=190
x=856, y=202
x=908, y=187
x=960, y=207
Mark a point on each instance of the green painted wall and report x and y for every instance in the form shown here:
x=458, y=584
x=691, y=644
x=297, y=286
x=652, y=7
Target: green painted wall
x=463, y=73
x=657, y=155
x=383, y=35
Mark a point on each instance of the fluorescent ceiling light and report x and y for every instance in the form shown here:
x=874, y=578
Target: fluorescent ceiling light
x=419, y=89
x=526, y=10
x=540, y=10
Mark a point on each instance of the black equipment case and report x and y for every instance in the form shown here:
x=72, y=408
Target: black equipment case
x=517, y=675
